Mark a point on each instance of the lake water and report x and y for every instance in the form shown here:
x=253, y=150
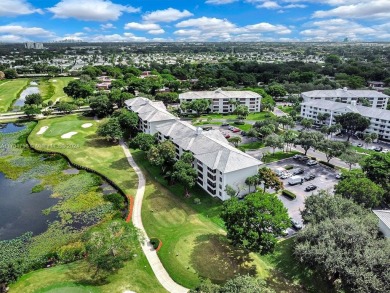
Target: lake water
x=21, y=210
x=22, y=98
x=11, y=127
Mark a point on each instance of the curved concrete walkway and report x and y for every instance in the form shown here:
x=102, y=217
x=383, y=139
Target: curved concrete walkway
x=153, y=259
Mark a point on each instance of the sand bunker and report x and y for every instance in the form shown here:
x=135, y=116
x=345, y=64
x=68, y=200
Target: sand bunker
x=42, y=130
x=86, y=125
x=69, y=134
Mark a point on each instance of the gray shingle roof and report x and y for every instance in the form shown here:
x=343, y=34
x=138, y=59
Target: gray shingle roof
x=384, y=216
x=218, y=94
x=149, y=110
x=210, y=147
x=368, y=112
x=342, y=93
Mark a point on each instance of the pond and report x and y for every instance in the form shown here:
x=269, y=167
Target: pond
x=22, y=98
x=11, y=127
x=21, y=210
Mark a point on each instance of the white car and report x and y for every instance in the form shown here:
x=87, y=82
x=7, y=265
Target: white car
x=385, y=150
x=311, y=163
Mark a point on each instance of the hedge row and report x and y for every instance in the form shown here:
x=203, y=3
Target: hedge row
x=327, y=164
x=289, y=167
x=289, y=194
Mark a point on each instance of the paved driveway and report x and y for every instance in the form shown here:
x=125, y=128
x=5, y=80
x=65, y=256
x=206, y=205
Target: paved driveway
x=325, y=179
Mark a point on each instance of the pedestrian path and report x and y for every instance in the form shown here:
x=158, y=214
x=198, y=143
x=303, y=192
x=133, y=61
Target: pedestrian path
x=153, y=259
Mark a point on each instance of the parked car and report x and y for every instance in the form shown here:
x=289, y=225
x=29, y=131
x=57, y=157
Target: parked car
x=309, y=177
x=226, y=135
x=236, y=130
x=225, y=124
x=385, y=150
x=297, y=157
x=231, y=127
x=378, y=149
x=296, y=225
x=338, y=176
x=304, y=158
x=360, y=145
x=243, y=133
x=285, y=175
x=311, y=163
x=294, y=180
x=310, y=187
x=207, y=128
x=298, y=171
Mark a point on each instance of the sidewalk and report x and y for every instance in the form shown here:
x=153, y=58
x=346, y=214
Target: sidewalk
x=153, y=259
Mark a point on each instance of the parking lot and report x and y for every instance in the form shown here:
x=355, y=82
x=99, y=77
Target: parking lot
x=325, y=178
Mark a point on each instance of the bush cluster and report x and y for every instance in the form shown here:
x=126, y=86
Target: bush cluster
x=289, y=194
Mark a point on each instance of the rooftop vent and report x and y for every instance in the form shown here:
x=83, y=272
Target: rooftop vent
x=345, y=89
x=198, y=131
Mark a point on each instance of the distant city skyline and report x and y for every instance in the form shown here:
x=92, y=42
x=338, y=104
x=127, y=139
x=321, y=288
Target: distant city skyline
x=194, y=20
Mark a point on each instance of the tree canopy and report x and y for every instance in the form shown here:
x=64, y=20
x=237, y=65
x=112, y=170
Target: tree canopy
x=255, y=222
x=352, y=122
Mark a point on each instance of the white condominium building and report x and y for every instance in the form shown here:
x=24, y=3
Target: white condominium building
x=375, y=98
x=150, y=113
x=380, y=119
x=223, y=101
x=217, y=162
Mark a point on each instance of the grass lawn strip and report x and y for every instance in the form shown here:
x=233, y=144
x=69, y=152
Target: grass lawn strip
x=9, y=92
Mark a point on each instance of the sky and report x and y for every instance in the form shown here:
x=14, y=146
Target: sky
x=194, y=20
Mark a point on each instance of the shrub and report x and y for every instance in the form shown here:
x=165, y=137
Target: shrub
x=239, y=122
x=241, y=149
x=155, y=242
x=327, y=164
x=71, y=252
x=289, y=194
x=37, y=188
x=196, y=200
x=289, y=167
x=116, y=199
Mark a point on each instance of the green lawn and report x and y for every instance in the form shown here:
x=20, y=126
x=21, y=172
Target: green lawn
x=362, y=150
x=108, y=159
x=277, y=156
x=9, y=92
x=53, y=88
x=85, y=148
x=245, y=127
x=252, y=145
x=286, y=109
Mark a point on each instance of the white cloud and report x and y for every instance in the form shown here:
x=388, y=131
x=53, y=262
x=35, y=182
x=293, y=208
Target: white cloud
x=107, y=26
x=269, y=5
x=338, y=29
x=12, y=39
x=16, y=7
x=25, y=31
x=205, y=28
x=126, y=37
x=220, y=2
x=156, y=32
x=375, y=9
x=93, y=10
x=142, y=26
x=167, y=15
x=267, y=27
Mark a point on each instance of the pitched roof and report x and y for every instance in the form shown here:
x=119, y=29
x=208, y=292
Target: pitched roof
x=384, y=216
x=343, y=107
x=149, y=110
x=218, y=94
x=344, y=93
x=210, y=147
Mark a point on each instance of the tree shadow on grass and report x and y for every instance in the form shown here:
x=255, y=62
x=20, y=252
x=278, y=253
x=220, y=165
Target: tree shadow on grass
x=289, y=275
x=86, y=277
x=214, y=258
x=94, y=142
x=121, y=164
